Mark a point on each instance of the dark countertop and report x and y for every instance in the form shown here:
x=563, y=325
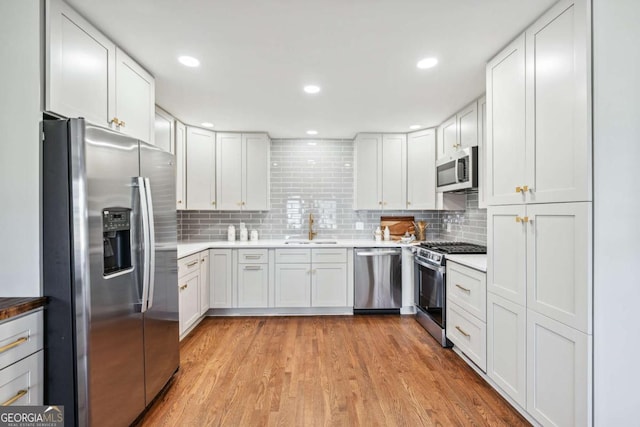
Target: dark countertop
x=10, y=307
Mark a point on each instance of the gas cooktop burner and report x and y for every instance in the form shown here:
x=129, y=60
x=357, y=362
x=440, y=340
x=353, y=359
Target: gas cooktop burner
x=454, y=247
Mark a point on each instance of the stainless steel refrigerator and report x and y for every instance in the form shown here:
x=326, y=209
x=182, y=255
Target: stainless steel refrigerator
x=109, y=271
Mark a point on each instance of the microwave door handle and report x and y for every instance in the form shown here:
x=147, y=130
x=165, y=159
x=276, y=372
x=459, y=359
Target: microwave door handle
x=457, y=166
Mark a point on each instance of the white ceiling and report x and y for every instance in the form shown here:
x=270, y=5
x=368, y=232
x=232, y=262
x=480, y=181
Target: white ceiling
x=256, y=56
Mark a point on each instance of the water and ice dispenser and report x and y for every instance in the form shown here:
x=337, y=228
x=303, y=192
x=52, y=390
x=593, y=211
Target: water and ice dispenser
x=116, y=237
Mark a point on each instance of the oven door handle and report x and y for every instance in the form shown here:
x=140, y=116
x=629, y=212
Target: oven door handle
x=439, y=269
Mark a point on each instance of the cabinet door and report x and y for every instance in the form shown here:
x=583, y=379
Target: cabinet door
x=558, y=104
x=506, y=139
x=221, y=278
x=482, y=152
x=23, y=382
x=253, y=285
x=558, y=371
x=394, y=171
x=329, y=285
x=558, y=262
x=293, y=285
x=204, y=282
x=467, y=120
x=421, y=170
x=447, y=138
x=135, y=98
x=506, y=253
x=80, y=67
x=189, y=305
x=468, y=333
x=506, y=347
x=255, y=172
x=229, y=171
x=201, y=182
x=368, y=186
x=181, y=166
x=164, y=131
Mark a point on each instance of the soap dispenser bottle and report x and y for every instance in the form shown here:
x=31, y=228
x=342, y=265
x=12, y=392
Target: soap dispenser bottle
x=387, y=233
x=378, y=234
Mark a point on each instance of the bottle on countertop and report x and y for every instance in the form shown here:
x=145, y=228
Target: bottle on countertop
x=378, y=234
x=254, y=235
x=244, y=233
x=231, y=233
x=387, y=234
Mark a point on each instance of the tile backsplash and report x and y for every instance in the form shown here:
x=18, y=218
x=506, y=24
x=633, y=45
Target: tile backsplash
x=316, y=176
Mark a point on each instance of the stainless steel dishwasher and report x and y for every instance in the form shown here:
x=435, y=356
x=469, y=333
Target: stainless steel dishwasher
x=378, y=280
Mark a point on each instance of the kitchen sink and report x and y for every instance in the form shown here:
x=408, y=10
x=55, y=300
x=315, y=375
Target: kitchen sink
x=310, y=242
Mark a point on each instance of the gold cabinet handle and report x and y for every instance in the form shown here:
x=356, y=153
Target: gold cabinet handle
x=518, y=219
x=121, y=123
x=202, y=260
x=192, y=263
x=408, y=203
x=18, y=395
x=180, y=202
x=253, y=267
x=518, y=189
x=463, y=288
x=525, y=219
x=183, y=287
x=115, y=121
x=525, y=188
x=463, y=332
x=16, y=343
x=252, y=256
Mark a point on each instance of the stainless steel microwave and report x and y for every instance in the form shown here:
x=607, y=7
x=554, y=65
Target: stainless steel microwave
x=458, y=172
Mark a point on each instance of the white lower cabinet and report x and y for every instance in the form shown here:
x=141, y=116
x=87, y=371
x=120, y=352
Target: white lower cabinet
x=468, y=333
x=220, y=278
x=292, y=285
x=253, y=285
x=204, y=282
x=189, y=305
x=506, y=347
x=329, y=285
x=558, y=372
x=22, y=383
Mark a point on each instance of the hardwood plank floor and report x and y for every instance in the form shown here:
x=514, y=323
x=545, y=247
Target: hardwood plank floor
x=326, y=371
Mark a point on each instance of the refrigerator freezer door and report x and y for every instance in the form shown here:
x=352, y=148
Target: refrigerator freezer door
x=116, y=369
x=161, y=318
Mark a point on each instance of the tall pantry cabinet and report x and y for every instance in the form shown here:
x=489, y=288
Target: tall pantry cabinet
x=539, y=169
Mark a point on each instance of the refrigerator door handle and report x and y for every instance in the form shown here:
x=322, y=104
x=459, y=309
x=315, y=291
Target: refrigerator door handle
x=144, y=209
x=152, y=243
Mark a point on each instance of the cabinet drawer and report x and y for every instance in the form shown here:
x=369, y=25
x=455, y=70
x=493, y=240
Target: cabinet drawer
x=337, y=255
x=188, y=264
x=253, y=256
x=20, y=337
x=468, y=334
x=21, y=383
x=293, y=256
x=467, y=288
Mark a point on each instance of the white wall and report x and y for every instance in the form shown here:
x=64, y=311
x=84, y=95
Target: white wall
x=20, y=115
x=616, y=78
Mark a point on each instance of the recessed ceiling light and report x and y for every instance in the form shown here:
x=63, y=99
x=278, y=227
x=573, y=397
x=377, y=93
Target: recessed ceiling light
x=415, y=127
x=189, y=61
x=427, y=63
x=312, y=132
x=312, y=89
x=207, y=124
x=347, y=165
x=311, y=143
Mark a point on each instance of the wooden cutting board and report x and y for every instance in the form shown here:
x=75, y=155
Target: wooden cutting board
x=398, y=225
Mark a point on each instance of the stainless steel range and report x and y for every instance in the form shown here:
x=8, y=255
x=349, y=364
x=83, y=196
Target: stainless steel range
x=430, y=283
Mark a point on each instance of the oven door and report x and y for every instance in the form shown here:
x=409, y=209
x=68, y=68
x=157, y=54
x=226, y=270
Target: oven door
x=430, y=290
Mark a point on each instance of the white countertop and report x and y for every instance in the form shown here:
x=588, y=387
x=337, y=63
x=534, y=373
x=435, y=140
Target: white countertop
x=190, y=248
x=478, y=262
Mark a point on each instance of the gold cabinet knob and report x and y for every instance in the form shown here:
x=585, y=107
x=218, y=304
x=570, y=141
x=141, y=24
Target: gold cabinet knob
x=518, y=219
x=408, y=203
x=525, y=188
x=518, y=189
x=179, y=201
x=115, y=121
x=122, y=124
x=213, y=203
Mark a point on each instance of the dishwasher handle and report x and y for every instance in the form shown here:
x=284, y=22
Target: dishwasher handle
x=378, y=253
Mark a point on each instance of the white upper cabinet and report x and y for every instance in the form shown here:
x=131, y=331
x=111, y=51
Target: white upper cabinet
x=558, y=105
x=80, y=67
x=447, y=138
x=538, y=112
x=181, y=165
x=135, y=98
x=242, y=170
x=164, y=131
x=421, y=174
x=506, y=139
x=381, y=170
x=201, y=178
x=88, y=76
x=467, y=122
x=482, y=152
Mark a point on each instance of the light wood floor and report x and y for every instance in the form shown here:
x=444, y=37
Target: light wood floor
x=329, y=371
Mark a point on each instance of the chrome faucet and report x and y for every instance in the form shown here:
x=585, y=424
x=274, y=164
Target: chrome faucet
x=311, y=232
